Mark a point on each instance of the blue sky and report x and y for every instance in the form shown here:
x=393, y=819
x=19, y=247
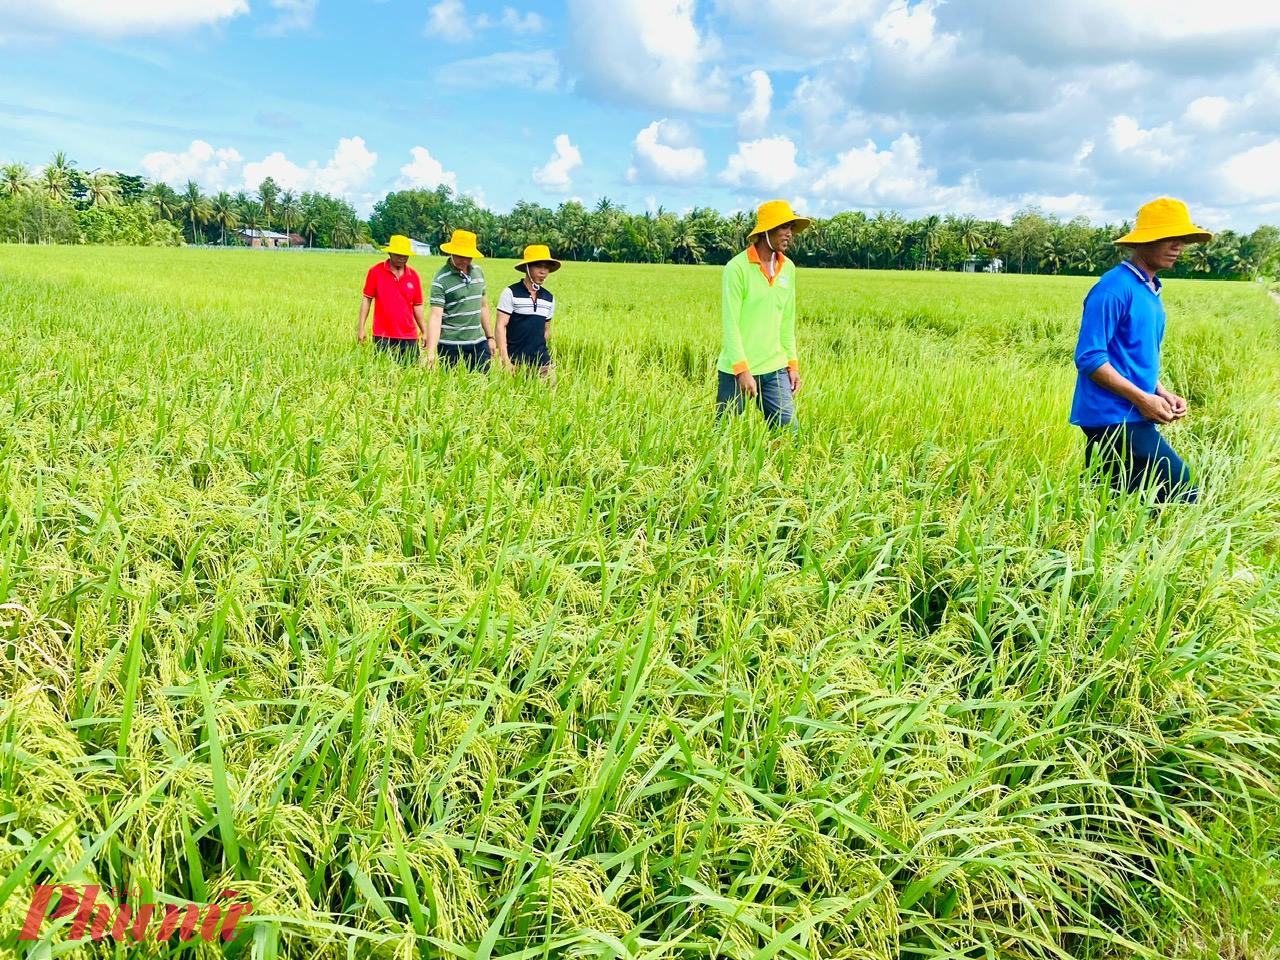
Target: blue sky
x=977, y=106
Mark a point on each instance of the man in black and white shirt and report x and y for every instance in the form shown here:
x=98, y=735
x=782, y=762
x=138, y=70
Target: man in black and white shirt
x=525, y=310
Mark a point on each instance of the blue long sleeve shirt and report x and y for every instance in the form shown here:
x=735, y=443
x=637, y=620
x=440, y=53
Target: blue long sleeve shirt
x=1122, y=324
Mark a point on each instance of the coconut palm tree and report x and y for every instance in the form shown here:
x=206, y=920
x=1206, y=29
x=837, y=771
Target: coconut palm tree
x=15, y=178
x=251, y=216
x=57, y=180
x=163, y=199
x=309, y=224
x=344, y=233
x=102, y=188
x=287, y=211
x=268, y=192
x=195, y=209
x=223, y=212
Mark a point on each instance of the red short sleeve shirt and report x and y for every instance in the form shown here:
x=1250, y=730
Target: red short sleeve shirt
x=393, y=301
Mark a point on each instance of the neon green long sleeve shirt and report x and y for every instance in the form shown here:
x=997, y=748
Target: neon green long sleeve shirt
x=758, y=316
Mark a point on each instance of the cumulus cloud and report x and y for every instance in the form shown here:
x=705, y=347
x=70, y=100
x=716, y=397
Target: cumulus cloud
x=664, y=152
x=897, y=177
x=1207, y=113
x=1158, y=146
x=766, y=164
x=120, y=17
x=221, y=168
x=1251, y=175
x=755, y=116
x=349, y=167
x=453, y=21
x=425, y=172
x=556, y=175
x=646, y=52
x=214, y=168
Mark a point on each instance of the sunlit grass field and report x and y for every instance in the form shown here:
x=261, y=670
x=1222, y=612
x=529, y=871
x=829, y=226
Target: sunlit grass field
x=444, y=665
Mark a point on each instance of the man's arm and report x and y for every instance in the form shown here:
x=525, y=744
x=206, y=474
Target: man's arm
x=484, y=317
x=365, y=303
x=419, y=320
x=434, y=319
x=1152, y=406
x=502, y=338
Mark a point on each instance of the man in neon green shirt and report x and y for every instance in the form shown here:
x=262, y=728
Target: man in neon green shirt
x=758, y=307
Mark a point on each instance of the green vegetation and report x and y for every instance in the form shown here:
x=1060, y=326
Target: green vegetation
x=1032, y=242
x=467, y=664
x=66, y=205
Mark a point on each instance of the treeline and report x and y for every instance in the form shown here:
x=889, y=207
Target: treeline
x=1033, y=242
x=63, y=204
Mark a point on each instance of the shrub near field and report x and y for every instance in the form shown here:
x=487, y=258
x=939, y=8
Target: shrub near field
x=436, y=662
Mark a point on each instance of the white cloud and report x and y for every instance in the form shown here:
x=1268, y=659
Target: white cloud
x=293, y=15
x=1252, y=174
x=1085, y=151
x=451, y=20
x=1156, y=146
x=664, y=152
x=754, y=117
x=349, y=167
x=1207, y=112
x=823, y=27
x=646, y=52
x=423, y=171
x=768, y=164
x=214, y=168
x=898, y=177
x=120, y=17
x=911, y=30
x=448, y=20
x=556, y=175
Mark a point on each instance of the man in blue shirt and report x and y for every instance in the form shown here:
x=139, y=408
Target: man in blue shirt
x=1119, y=399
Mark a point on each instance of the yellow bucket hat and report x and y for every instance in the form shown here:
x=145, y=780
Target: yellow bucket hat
x=538, y=253
x=462, y=244
x=399, y=245
x=1162, y=219
x=774, y=213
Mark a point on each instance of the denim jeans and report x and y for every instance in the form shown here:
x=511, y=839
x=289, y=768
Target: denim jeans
x=773, y=397
x=1134, y=454
x=476, y=356
x=404, y=350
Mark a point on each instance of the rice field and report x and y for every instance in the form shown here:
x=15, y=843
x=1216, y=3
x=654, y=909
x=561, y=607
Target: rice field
x=442, y=665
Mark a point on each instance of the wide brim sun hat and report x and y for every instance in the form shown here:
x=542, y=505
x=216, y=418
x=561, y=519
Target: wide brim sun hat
x=538, y=253
x=462, y=244
x=399, y=246
x=773, y=214
x=1164, y=219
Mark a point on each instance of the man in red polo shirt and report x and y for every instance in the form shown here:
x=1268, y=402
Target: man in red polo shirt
x=395, y=291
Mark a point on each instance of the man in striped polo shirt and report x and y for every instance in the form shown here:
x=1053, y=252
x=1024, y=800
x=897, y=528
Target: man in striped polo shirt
x=458, y=326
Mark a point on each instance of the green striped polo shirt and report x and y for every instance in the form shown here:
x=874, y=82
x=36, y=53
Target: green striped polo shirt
x=460, y=296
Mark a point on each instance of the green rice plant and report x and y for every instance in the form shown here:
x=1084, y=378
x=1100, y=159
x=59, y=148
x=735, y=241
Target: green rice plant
x=435, y=664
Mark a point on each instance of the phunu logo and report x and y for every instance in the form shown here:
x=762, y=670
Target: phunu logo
x=133, y=921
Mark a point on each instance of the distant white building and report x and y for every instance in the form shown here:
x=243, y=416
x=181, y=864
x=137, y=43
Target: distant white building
x=264, y=238
x=420, y=248
x=983, y=265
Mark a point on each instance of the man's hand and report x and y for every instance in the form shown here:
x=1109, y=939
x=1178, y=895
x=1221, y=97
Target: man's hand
x=794, y=374
x=360, y=336
x=1177, y=403
x=1156, y=409
x=747, y=383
